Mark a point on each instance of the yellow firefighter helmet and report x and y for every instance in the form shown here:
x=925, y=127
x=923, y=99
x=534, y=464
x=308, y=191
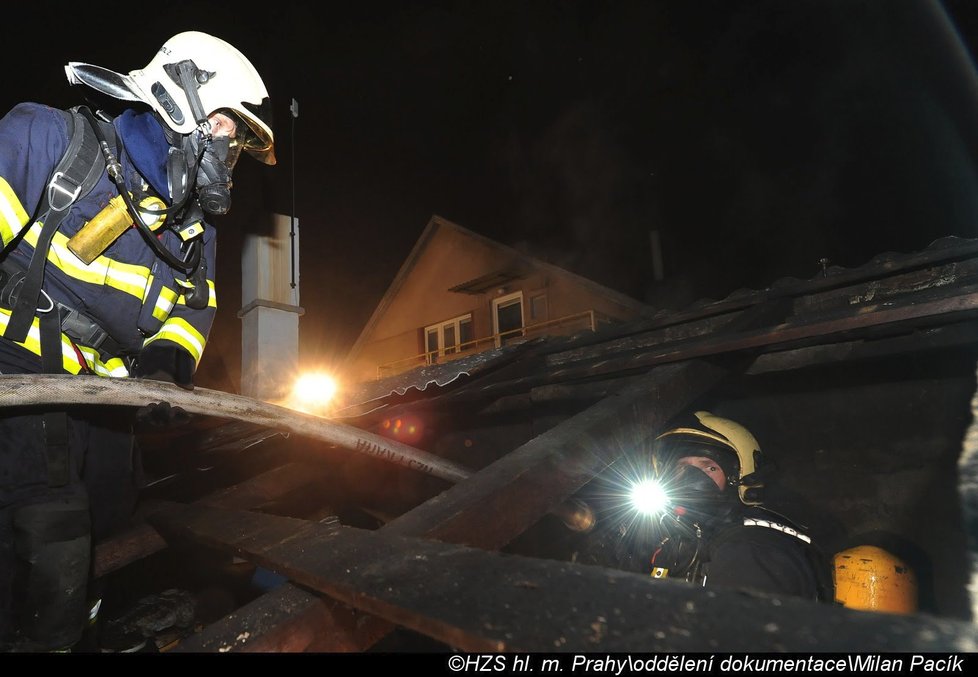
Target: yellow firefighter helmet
x=727, y=442
x=873, y=579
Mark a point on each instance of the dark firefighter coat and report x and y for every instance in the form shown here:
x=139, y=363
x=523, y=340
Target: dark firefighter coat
x=750, y=548
x=759, y=552
x=133, y=295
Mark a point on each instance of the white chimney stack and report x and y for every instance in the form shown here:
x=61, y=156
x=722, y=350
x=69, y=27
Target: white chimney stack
x=270, y=310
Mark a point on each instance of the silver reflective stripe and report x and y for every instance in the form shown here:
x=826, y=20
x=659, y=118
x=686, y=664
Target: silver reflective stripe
x=750, y=522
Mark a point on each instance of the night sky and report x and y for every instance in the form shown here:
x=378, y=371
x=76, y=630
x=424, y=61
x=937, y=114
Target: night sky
x=756, y=137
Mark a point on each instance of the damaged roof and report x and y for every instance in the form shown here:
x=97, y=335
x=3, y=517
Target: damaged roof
x=435, y=568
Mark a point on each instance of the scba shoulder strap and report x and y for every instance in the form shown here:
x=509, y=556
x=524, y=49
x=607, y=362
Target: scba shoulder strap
x=75, y=175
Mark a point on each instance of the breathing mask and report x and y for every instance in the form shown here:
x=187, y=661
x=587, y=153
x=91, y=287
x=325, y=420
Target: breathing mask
x=213, y=172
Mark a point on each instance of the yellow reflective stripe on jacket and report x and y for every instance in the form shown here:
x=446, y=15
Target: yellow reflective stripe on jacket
x=103, y=270
x=113, y=367
x=181, y=332
x=149, y=288
x=125, y=277
x=211, y=295
x=164, y=304
x=12, y=214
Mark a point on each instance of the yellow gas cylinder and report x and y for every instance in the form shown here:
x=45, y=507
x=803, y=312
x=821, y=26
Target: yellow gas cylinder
x=105, y=227
x=872, y=579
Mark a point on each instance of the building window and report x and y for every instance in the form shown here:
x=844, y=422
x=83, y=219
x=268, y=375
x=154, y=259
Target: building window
x=448, y=337
x=538, y=308
x=507, y=318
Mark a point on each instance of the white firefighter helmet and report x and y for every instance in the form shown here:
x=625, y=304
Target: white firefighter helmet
x=192, y=76
x=725, y=441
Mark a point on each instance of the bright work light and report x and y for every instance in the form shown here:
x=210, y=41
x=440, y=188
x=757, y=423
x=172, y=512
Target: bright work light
x=648, y=497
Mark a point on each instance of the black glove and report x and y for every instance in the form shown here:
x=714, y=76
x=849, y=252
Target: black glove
x=165, y=363
x=161, y=415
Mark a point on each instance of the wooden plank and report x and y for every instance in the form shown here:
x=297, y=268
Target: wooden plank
x=476, y=600
x=935, y=338
x=947, y=337
x=291, y=620
x=936, y=307
x=940, y=253
x=143, y=540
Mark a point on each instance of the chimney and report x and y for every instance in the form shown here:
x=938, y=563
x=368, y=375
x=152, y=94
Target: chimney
x=270, y=310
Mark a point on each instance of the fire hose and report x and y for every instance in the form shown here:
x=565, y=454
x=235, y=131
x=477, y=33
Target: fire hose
x=24, y=390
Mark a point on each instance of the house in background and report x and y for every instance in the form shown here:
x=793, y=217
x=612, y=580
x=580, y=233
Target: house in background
x=459, y=293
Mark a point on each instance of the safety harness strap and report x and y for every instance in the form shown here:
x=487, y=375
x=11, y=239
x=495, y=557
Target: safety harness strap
x=75, y=175
x=75, y=324
x=49, y=325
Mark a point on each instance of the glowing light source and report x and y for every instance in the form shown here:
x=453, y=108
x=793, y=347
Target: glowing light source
x=648, y=497
x=313, y=391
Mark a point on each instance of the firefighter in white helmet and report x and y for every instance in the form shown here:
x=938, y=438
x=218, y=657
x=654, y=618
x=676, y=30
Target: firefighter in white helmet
x=106, y=269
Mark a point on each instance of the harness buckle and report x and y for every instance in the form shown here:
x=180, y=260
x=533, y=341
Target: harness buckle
x=56, y=189
x=82, y=328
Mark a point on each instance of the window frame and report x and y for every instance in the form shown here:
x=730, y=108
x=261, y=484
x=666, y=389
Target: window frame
x=505, y=302
x=432, y=355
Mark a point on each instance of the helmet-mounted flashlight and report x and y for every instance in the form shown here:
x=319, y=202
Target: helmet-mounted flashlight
x=648, y=497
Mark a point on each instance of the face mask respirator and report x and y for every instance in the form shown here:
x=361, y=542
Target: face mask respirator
x=691, y=482
x=693, y=497
x=203, y=163
x=213, y=179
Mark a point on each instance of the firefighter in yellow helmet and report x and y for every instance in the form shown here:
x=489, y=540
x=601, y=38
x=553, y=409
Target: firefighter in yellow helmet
x=714, y=531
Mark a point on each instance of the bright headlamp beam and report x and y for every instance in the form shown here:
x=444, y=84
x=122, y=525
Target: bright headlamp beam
x=648, y=497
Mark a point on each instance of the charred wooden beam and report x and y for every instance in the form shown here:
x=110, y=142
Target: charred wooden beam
x=143, y=540
x=936, y=306
x=292, y=620
x=893, y=269
x=476, y=600
x=947, y=337
x=928, y=339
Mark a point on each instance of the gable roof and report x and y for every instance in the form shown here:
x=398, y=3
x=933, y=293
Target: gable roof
x=435, y=225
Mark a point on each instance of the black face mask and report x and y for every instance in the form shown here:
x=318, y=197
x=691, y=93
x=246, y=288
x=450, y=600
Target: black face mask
x=696, y=496
x=691, y=481
x=213, y=174
x=203, y=165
